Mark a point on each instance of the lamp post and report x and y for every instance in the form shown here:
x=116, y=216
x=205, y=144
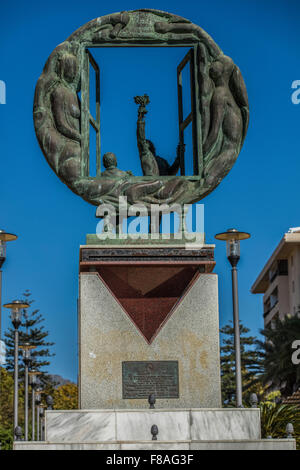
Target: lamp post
x=16, y=306
x=33, y=382
x=38, y=401
x=4, y=238
x=232, y=238
x=26, y=348
x=42, y=417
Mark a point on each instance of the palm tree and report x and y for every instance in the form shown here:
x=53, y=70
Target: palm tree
x=275, y=417
x=279, y=370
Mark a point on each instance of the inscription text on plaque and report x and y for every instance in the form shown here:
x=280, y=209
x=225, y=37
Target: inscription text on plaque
x=141, y=378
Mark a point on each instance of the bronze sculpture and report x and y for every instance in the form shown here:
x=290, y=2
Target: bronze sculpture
x=219, y=114
x=152, y=164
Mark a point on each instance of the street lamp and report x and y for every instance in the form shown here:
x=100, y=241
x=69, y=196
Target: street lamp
x=26, y=348
x=38, y=401
x=232, y=238
x=33, y=374
x=42, y=417
x=50, y=402
x=4, y=238
x=16, y=316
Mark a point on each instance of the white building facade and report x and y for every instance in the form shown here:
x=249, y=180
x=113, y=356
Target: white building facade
x=279, y=280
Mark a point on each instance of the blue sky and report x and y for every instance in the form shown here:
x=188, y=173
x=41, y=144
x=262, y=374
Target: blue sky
x=260, y=195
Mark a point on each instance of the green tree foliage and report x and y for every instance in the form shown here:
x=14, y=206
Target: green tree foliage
x=66, y=397
x=7, y=397
x=6, y=408
x=279, y=370
x=251, y=360
x=32, y=331
x=6, y=438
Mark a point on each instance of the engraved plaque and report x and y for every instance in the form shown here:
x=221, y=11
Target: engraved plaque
x=141, y=378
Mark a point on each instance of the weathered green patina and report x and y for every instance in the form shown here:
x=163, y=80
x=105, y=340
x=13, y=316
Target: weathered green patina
x=219, y=115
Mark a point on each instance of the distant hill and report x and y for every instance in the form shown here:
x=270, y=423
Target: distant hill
x=59, y=380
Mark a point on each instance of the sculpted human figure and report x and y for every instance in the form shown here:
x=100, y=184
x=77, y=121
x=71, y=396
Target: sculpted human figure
x=165, y=169
x=207, y=87
x=115, y=183
x=227, y=124
x=183, y=28
x=152, y=164
x=111, y=169
x=65, y=106
x=148, y=160
x=111, y=25
x=112, y=184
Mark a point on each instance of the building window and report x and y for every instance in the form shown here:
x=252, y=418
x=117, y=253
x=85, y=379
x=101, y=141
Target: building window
x=280, y=268
x=283, y=267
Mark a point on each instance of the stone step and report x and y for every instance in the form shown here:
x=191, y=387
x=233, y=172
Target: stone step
x=261, y=444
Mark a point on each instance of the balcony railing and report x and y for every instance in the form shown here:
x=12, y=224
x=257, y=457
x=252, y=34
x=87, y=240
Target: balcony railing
x=270, y=309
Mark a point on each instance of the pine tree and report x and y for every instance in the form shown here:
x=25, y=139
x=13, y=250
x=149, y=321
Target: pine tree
x=32, y=331
x=251, y=361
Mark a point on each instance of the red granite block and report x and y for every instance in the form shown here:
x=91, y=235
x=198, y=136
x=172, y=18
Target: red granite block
x=148, y=314
x=163, y=289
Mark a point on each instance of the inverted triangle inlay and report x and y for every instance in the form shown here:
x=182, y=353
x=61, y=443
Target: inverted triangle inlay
x=148, y=294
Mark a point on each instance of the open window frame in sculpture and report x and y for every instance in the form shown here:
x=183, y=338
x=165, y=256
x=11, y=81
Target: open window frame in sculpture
x=219, y=112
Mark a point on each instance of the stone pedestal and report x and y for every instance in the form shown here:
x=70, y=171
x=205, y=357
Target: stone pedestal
x=148, y=323
x=135, y=425
x=178, y=429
